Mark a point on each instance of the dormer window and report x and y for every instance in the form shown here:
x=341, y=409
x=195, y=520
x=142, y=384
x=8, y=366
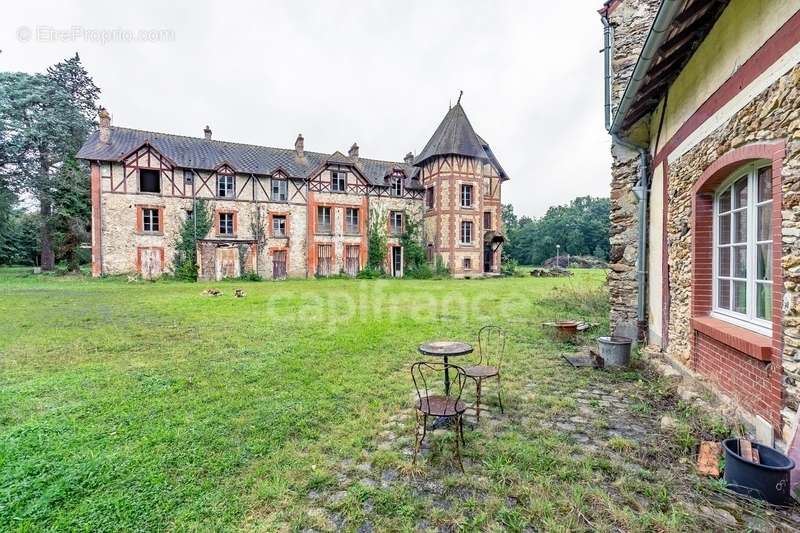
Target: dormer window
x=225, y=186
x=397, y=186
x=280, y=190
x=338, y=181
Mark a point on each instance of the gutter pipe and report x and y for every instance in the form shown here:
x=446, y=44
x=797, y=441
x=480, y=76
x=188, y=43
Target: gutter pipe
x=643, y=184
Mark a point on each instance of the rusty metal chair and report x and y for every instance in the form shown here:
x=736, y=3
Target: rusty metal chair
x=491, y=348
x=429, y=379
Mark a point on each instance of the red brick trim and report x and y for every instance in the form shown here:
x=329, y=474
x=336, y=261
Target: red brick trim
x=741, y=339
x=773, y=49
x=286, y=214
x=730, y=339
x=235, y=214
x=140, y=219
x=140, y=249
x=97, y=225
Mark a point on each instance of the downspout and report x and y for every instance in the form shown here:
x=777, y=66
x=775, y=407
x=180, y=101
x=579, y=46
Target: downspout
x=641, y=188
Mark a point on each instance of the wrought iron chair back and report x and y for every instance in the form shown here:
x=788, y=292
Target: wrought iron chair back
x=491, y=346
x=429, y=380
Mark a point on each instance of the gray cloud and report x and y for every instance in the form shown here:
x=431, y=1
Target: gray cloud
x=379, y=73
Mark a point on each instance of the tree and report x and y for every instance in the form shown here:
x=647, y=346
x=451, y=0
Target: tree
x=193, y=228
x=580, y=228
x=70, y=221
x=45, y=118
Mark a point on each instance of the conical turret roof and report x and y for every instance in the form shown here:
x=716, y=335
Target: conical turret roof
x=455, y=136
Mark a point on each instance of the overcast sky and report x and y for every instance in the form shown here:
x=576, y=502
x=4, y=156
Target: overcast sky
x=378, y=73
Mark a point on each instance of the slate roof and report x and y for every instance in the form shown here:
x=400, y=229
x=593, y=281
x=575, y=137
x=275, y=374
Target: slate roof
x=456, y=136
x=204, y=154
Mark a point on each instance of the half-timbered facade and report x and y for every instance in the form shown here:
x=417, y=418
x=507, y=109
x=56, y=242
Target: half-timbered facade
x=283, y=212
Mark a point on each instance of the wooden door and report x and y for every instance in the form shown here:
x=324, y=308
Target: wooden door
x=279, y=264
x=227, y=262
x=324, y=259
x=150, y=262
x=352, y=260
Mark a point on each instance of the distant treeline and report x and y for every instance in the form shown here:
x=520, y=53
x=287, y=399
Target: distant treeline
x=580, y=228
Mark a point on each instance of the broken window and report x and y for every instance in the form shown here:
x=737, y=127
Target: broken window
x=149, y=180
x=226, y=226
x=324, y=219
x=351, y=220
x=396, y=222
x=338, y=181
x=397, y=186
x=429, y=197
x=225, y=186
x=280, y=190
x=151, y=221
x=467, y=263
x=279, y=226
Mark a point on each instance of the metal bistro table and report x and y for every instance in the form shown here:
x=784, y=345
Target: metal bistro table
x=445, y=349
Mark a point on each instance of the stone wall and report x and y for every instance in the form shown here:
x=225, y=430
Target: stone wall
x=772, y=115
x=630, y=22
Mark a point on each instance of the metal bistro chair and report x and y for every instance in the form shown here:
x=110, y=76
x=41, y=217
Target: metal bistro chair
x=429, y=377
x=491, y=347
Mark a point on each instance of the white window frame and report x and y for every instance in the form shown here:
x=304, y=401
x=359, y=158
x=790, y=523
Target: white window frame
x=324, y=227
x=351, y=220
x=279, y=230
x=151, y=216
x=397, y=186
x=465, y=189
x=336, y=176
x=397, y=222
x=229, y=190
x=747, y=320
x=221, y=225
x=280, y=190
x=464, y=225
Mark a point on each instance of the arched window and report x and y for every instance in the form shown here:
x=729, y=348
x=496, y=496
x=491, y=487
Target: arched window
x=742, y=290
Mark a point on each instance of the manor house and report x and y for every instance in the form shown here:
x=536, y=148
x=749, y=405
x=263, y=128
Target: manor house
x=291, y=212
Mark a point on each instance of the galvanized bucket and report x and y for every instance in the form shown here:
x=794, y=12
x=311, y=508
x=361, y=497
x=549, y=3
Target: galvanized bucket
x=615, y=351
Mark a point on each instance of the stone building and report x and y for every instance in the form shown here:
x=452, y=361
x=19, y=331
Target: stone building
x=290, y=212
x=702, y=104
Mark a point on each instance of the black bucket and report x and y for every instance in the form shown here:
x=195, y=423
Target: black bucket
x=767, y=481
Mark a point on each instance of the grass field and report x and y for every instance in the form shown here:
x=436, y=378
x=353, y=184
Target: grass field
x=148, y=406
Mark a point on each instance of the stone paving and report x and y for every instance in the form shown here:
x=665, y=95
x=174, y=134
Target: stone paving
x=603, y=421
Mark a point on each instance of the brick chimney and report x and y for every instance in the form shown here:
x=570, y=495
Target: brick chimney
x=207, y=133
x=409, y=158
x=105, y=125
x=299, y=145
x=353, y=153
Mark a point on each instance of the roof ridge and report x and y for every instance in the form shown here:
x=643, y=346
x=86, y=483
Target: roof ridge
x=322, y=154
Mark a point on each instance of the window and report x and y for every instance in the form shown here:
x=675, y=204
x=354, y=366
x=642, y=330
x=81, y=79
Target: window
x=188, y=176
x=324, y=259
x=743, y=248
x=466, y=232
x=429, y=253
x=487, y=186
x=280, y=190
x=279, y=226
x=151, y=221
x=225, y=188
x=351, y=220
x=395, y=222
x=338, y=181
x=226, y=224
x=189, y=214
x=149, y=180
x=466, y=196
x=105, y=170
x=487, y=220
x=324, y=219
x=397, y=186
x=467, y=263
x=429, y=198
